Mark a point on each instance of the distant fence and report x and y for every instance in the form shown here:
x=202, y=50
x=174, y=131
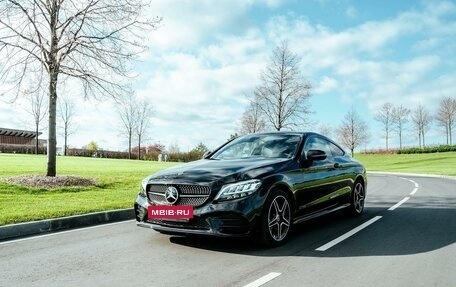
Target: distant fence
x=98, y=153
x=413, y=150
x=27, y=149
x=151, y=155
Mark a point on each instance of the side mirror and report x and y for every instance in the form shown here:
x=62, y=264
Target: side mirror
x=206, y=154
x=316, y=154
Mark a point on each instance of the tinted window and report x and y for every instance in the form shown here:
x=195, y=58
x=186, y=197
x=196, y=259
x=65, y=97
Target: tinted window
x=335, y=150
x=319, y=144
x=260, y=145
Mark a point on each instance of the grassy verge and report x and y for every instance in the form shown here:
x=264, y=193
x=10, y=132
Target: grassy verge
x=432, y=163
x=118, y=184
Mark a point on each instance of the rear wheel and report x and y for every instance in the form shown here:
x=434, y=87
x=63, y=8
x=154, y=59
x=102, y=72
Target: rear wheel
x=276, y=219
x=357, y=197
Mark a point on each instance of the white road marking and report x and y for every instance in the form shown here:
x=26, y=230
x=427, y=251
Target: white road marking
x=347, y=235
x=366, y=224
x=399, y=203
x=415, y=183
x=263, y=280
x=62, y=232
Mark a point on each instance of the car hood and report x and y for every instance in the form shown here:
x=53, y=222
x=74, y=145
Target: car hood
x=208, y=171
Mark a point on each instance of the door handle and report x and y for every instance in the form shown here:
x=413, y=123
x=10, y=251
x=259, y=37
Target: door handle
x=337, y=165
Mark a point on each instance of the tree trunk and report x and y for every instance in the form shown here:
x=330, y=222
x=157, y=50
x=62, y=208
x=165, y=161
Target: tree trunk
x=422, y=133
x=129, y=145
x=53, y=71
x=450, y=127
x=52, y=142
x=36, y=139
x=419, y=138
x=386, y=140
x=139, y=147
x=65, y=147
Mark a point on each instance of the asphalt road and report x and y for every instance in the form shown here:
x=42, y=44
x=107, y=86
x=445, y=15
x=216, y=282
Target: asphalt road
x=411, y=244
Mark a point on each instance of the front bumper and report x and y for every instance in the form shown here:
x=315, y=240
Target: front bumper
x=236, y=218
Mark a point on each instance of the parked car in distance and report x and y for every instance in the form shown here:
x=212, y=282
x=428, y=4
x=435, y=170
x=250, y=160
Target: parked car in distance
x=255, y=185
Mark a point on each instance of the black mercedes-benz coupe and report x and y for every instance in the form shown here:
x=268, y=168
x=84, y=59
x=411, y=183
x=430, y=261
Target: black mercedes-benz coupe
x=255, y=185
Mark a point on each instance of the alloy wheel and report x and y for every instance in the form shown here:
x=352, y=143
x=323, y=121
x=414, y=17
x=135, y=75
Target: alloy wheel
x=358, y=197
x=279, y=218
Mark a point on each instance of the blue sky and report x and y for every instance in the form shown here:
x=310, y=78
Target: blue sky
x=206, y=55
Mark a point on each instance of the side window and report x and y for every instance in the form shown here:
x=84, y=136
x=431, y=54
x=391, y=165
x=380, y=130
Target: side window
x=335, y=150
x=320, y=144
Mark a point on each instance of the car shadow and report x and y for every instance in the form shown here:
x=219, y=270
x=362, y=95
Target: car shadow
x=417, y=228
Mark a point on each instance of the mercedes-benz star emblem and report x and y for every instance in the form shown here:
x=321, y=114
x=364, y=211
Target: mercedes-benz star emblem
x=171, y=195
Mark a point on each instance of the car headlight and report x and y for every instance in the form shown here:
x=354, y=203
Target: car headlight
x=142, y=189
x=238, y=190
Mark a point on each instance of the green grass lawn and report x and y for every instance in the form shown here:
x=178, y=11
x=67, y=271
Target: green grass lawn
x=119, y=181
x=431, y=163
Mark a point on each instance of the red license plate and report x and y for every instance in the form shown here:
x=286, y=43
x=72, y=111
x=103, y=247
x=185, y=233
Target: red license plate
x=184, y=212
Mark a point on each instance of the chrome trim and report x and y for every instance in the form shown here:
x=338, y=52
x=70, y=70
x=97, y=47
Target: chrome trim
x=156, y=193
x=182, y=230
x=318, y=214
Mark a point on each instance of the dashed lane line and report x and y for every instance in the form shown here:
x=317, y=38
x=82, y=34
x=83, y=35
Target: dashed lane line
x=263, y=280
x=399, y=203
x=348, y=234
x=366, y=224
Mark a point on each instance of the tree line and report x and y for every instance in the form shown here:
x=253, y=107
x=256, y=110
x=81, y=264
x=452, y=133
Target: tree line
x=43, y=43
x=281, y=101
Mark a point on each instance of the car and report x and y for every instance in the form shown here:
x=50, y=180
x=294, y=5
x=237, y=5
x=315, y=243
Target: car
x=257, y=185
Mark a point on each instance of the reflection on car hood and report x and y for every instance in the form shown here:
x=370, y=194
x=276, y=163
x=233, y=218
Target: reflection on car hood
x=206, y=171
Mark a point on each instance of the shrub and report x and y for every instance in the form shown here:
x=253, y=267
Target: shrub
x=434, y=149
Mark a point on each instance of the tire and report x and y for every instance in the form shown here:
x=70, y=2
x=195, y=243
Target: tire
x=357, y=199
x=276, y=219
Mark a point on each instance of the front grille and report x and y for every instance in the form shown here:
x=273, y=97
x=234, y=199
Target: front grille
x=194, y=195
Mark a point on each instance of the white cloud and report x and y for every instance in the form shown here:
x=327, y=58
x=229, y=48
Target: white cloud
x=351, y=12
x=188, y=24
x=207, y=55
x=326, y=84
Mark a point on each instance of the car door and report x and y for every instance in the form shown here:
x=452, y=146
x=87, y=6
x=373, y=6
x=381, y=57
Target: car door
x=319, y=178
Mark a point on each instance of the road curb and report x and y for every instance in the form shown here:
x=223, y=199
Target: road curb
x=13, y=231
x=412, y=174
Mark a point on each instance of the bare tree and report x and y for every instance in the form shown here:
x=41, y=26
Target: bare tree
x=128, y=115
x=384, y=116
x=252, y=120
x=89, y=40
x=325, y=129
x=421, y=120
x=37, y=109
x=353, y=131
x=143, y=114
x=400, y=117
x=283, y=94
x=446, y=117
x=66, y=113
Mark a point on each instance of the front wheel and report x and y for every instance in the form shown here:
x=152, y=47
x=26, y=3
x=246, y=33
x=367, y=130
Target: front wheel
x=276, y=219
x=357, y=197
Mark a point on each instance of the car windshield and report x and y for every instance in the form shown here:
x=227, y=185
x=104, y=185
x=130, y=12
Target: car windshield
x=260, y=146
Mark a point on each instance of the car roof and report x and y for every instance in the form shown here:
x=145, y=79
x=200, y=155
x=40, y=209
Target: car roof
x=306, y=134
